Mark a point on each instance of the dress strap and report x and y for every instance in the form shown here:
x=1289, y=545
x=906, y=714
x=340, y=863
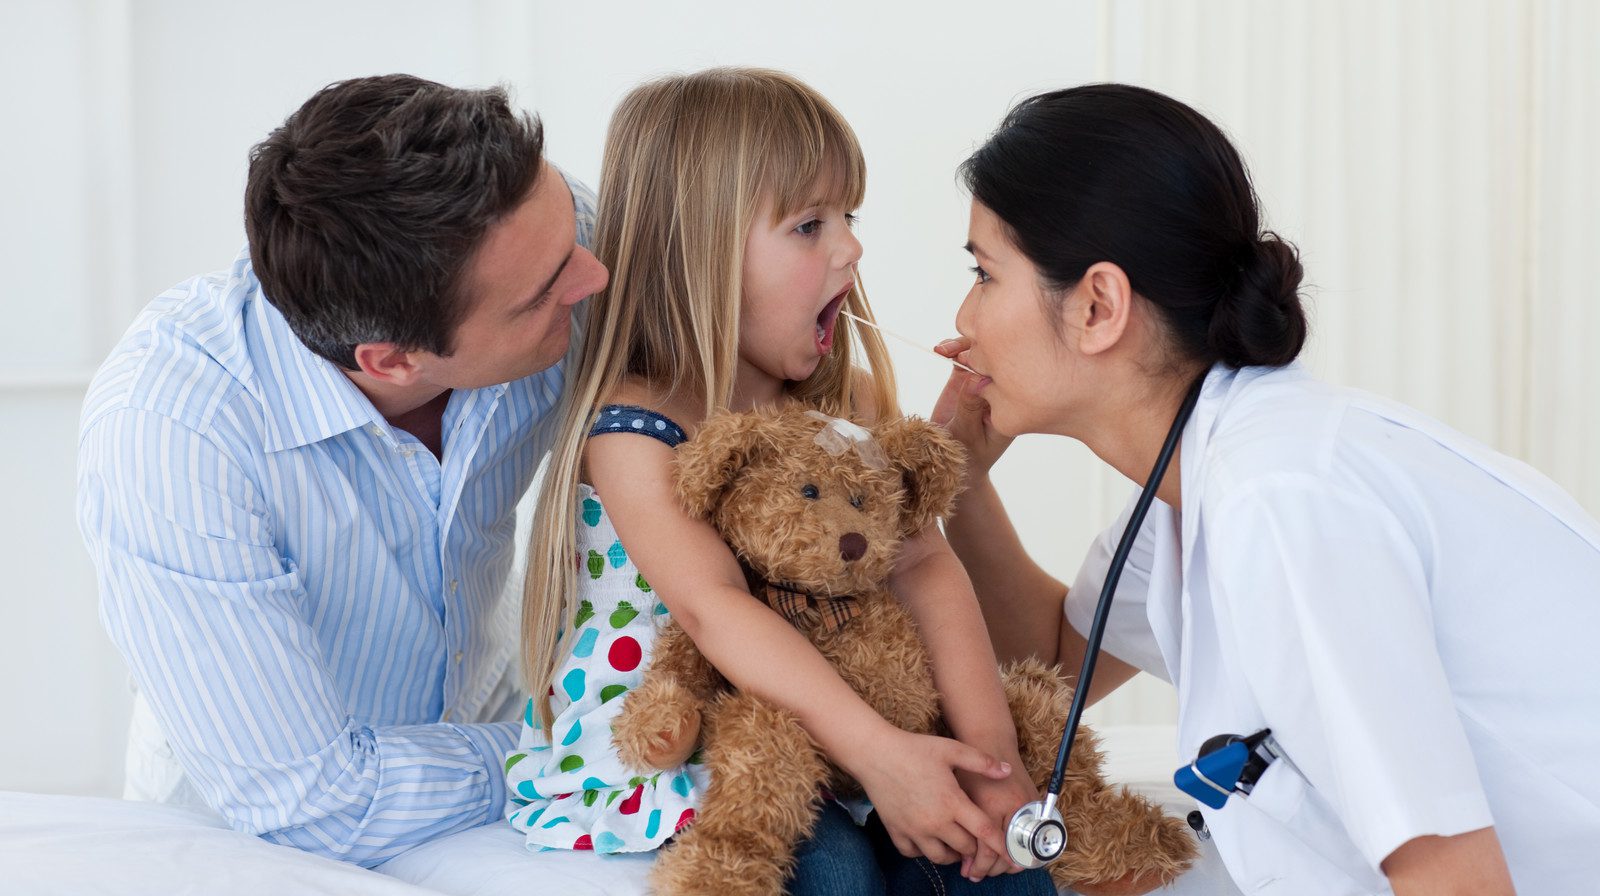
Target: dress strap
x=634, y=419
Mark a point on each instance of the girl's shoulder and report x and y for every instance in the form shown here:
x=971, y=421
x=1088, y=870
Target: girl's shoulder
x=631, y=410
x=635, y=392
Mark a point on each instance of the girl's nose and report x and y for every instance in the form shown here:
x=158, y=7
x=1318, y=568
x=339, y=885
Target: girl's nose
x=851, y=249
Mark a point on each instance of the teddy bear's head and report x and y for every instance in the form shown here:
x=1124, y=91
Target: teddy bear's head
x=826, y=514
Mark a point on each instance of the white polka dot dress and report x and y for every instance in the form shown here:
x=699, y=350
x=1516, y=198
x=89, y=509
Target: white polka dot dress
x=575, y=793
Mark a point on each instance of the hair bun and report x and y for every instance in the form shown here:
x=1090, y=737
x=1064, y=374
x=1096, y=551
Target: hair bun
x=1261, y=321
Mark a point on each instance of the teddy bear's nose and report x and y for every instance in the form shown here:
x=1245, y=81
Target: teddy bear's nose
x=851, y=546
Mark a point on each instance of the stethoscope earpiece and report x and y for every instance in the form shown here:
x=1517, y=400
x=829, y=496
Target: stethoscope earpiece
x=1036, y=834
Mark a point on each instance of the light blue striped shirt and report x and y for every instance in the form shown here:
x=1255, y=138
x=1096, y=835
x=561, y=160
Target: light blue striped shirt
x=321, y=615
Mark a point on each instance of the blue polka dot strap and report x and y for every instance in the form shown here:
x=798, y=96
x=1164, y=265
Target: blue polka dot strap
x=643, y=421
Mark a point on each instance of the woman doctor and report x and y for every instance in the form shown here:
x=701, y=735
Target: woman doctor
x=1412, y=615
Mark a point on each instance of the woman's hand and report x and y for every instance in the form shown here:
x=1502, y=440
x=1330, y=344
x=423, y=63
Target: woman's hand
x=966, y=415
x=911, y=780
x=999, y=799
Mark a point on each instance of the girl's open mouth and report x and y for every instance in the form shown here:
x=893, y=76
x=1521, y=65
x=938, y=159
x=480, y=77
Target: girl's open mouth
x=826, y=320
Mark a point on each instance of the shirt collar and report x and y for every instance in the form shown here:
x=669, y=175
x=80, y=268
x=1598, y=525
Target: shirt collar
x=305, y=398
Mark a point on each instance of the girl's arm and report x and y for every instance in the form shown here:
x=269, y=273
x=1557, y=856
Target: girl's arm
x=910, y=778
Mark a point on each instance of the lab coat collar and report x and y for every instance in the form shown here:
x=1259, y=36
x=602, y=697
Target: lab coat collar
x=1168, y=602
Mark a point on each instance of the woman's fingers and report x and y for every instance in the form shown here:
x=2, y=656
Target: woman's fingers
x=976, y=824
x=951, y=844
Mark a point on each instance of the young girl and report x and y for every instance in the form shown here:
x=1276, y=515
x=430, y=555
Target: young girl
x=724, y=218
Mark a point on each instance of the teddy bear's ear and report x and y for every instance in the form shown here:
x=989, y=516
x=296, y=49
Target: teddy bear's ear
x=705, y=466
x=931, y=463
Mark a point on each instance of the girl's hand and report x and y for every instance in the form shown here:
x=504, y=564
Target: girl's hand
x=911, y=780
x=999, y=799
x=966, y=415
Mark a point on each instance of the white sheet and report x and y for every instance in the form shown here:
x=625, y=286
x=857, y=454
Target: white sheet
x=73, y=845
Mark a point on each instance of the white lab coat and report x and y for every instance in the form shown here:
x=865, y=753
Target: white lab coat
x=1413, y=615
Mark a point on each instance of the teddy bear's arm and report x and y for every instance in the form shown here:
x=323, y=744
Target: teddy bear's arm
x=659, y=725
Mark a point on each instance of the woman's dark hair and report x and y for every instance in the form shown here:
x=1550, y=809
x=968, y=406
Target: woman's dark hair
x=1111, y=172
x=364, y=208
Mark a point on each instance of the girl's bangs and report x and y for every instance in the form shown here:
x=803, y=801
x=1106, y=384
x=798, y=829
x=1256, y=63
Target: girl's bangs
x=814, y=157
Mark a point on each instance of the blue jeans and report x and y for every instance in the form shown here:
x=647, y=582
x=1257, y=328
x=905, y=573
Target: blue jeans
x=842, y=859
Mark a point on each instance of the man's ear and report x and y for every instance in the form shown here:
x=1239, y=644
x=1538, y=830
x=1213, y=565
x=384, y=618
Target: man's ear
x=1100, y=307
x=708, y=464
x=930, y=464
x=388, y=363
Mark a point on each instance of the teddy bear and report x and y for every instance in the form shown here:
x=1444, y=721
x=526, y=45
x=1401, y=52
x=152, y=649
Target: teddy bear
x=815, y=508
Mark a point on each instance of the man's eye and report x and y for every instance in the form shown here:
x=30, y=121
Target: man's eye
x=809, y=492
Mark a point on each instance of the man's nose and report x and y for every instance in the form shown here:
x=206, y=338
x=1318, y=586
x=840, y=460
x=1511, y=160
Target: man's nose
x=595, y=276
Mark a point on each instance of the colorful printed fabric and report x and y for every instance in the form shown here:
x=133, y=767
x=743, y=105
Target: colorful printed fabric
x=575, y=793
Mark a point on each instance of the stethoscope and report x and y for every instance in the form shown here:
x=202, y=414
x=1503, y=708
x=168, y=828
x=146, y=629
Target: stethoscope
x=1037, y=834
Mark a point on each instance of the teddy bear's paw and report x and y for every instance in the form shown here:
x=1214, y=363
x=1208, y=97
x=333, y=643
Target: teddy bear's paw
x=1134, y=883
x=657, y=730
x=698, y=865
x=1118, y=843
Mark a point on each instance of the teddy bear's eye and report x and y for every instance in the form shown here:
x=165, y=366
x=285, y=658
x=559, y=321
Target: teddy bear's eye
x=809, y=492
x=856, y=501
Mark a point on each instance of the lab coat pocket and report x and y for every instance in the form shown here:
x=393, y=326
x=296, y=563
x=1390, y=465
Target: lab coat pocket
x=1285, y=797
x=1279, y=792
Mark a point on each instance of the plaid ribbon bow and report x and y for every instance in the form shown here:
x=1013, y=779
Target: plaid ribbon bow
x=830, y=611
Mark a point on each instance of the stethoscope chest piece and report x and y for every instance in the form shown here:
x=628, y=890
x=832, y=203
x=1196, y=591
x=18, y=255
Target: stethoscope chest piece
x=1036, y=834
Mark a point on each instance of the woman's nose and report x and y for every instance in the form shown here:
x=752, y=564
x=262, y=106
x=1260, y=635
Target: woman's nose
x=964, y=314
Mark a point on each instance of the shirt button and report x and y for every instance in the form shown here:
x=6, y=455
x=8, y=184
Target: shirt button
x=458, y=657
x=375, y=429
x=453, y=584
x=445, y=717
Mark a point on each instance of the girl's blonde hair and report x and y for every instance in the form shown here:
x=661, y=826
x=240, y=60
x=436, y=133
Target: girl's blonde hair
x=687, y=160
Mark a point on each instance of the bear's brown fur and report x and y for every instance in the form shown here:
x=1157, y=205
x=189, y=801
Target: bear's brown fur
x=821, y=524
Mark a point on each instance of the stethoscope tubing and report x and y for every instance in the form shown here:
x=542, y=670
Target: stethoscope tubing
x=1102, y=610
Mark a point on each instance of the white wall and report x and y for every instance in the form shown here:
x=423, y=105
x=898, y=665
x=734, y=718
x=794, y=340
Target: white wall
x=1433, y=159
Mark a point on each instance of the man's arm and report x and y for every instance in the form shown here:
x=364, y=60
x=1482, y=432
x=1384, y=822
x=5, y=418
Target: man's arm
x=208, y=615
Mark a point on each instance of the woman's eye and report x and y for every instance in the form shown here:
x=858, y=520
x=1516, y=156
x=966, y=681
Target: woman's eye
x=810, y=227
x=980, y=273
x=856, y=501
x=852, y=220
x=809, y=492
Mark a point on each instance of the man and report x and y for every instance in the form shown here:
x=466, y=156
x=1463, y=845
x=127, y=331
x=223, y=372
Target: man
x=298, y=479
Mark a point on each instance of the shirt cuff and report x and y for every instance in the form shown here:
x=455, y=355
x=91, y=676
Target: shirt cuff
x=493, y=741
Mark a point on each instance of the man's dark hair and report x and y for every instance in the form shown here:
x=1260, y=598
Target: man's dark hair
x=364, y=208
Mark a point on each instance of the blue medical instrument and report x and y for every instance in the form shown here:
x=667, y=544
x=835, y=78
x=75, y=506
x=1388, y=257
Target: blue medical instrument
x=1036, y=833
x=1227, y=764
